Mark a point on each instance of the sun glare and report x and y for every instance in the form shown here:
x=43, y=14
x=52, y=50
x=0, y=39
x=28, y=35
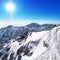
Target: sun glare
x=10, y=7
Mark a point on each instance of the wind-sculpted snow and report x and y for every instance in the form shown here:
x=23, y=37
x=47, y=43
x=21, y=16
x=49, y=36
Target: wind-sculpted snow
x=30, y=45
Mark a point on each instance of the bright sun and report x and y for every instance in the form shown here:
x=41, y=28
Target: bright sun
x=10, y=7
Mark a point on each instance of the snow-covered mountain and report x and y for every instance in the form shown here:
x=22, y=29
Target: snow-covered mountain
x=12, y=32
x=34, y=27
x=30, y=42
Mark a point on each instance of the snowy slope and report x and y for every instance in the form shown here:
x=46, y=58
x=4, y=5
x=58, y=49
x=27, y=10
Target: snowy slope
x=44, y=45
x=19, y=33
x=48, y=47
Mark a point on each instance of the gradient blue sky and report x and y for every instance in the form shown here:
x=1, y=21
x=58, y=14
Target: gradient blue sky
x=37, y=10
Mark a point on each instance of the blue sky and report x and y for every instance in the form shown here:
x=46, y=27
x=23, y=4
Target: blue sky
x=37, y=10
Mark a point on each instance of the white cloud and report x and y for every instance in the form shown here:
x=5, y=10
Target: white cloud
x=23, y=22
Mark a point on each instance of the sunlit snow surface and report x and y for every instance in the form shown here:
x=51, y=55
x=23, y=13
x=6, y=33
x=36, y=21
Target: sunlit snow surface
x=47, y=48
x=43, y=53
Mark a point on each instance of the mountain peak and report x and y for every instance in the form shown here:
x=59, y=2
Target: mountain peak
x=10, y=26
x=33, y=24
